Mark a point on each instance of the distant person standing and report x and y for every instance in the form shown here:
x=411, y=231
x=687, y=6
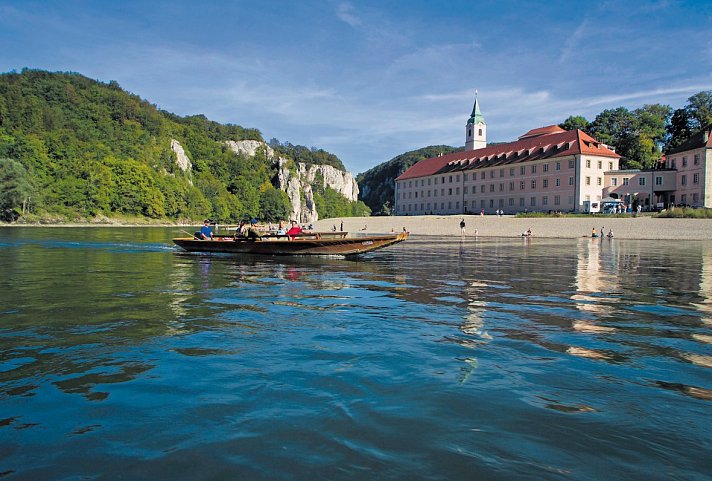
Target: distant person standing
x=462, y=227
x=341, y=227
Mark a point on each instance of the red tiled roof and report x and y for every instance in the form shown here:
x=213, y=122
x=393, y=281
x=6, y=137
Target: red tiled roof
x=546, y=142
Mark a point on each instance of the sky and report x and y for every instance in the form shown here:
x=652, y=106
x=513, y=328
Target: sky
x=369, y=80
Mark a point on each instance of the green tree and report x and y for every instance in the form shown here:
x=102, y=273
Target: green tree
x=699, y=108
x=575, y=122
x=274, y=205
x=679, y=129
x=15, y=186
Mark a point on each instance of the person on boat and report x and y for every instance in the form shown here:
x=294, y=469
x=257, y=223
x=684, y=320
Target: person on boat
x=206, y=232
x=281, y=230
x=252, y=233
x=240, y=231
x=294, y=231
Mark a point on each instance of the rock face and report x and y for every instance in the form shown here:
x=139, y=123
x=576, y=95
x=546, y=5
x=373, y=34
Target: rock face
x=182, y=160
x=298, y=184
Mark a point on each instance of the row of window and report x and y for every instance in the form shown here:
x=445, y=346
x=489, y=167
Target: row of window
x=492, y=188
x=696, y=161
x=511, y=202
x=512, y=170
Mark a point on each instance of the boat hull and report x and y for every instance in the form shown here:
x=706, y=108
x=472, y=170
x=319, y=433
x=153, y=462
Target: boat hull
x=280, y=246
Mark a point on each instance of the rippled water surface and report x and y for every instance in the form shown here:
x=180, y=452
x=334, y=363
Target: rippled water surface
x=123, y=358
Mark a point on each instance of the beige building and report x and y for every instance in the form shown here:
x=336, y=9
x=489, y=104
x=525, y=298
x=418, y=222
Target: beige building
x=693, y=163
x=546, y=169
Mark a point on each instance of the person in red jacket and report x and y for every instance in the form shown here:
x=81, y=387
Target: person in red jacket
x=294, y=230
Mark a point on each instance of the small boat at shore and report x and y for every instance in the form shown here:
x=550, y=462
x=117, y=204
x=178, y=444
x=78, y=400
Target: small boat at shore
x=310, y=243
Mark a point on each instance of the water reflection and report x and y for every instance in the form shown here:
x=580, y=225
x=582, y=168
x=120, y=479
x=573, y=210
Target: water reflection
x=508, y=353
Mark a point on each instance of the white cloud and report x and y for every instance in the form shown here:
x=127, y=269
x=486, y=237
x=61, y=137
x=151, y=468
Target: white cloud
x=345, y=13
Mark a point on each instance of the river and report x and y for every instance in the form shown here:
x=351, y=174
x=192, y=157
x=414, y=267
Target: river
x=122, y=357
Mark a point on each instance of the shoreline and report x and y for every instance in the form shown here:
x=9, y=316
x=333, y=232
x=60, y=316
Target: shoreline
x=638, y=228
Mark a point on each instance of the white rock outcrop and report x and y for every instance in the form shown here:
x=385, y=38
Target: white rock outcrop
x=298, y=184
x=182, y=159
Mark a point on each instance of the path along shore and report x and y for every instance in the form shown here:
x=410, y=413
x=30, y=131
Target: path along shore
x=642, y=227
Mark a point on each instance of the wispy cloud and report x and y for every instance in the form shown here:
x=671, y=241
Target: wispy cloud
x=572, y=43
x=345, y=12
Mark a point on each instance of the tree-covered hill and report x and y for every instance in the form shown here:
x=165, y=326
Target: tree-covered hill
x=377, y=185
x=72, y=147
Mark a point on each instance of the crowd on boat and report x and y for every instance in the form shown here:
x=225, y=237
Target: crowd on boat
x=252, y=230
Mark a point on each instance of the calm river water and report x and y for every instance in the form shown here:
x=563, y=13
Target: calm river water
x=122, y=357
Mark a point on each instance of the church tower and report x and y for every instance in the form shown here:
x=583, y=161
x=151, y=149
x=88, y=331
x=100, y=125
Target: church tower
x=476, y=129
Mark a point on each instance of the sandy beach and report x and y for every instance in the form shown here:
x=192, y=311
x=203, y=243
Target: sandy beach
x=642, y=227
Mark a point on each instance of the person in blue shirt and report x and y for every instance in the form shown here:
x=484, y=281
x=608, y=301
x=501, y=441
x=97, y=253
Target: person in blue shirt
x=206, y=232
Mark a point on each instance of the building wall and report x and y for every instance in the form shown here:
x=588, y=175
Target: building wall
x=558, y=183
x=691, y=168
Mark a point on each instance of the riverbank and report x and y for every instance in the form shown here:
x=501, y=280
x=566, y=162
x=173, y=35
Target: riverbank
x=643, y=227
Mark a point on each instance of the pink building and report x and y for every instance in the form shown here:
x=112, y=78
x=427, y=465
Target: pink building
x=693, y=163
x=545, y=169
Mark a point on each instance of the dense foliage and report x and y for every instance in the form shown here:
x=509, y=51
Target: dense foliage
x=82, y=148
x=299, y=153
x=377, y=185
x=642, y=135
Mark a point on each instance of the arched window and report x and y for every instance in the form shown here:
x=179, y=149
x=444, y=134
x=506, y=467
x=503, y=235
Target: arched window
x=480, y=134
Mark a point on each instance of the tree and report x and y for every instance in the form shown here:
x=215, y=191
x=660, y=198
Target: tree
x=274, y=205
x=575, y=122
x=699, y=108
x=15, y=187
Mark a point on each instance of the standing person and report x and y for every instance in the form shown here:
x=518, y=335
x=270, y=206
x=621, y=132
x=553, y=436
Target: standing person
x=462, y=227
x=602, y=232
x=341, y=227
x=206, y=232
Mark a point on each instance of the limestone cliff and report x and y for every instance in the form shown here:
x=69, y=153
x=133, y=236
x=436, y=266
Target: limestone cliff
x=298, y=183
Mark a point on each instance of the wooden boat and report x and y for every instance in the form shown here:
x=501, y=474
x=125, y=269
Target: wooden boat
x=310, y=243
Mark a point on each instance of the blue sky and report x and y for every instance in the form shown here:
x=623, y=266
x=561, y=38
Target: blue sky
x=368, y=80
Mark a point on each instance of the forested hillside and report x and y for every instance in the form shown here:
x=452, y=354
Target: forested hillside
x=72, y=147
x=377, y=185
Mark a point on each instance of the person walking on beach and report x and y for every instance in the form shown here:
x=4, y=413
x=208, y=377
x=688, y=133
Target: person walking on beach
x=462, y=227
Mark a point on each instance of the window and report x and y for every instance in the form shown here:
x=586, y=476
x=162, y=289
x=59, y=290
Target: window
x=672, y=164
x=625, y=180
x=683, y=180
x=410, y=184
x=571, y=181
x=457, y=178
x=442, y=192
x=491, y=187
x=449, y=191
x=694, y=198
x=658, y=180
x=697, y=159
x=511, y=202
x=480, y=132
x=457, y=205
x=600, y=165
x=511, y=186
x=571, y=200
x=430, y=180
x=532, y=201
x=449, y=205
x=533, y=184
x=521, y=185
x=457, y=191
x=450, y=179
x=546, y=183
x=482, y=188
x=442, y=181
x=483, y=175
x=588, y=180
x=557, y=200
x=501, y=202
x=571, y=164
x=545, y=200
x=501, y=186
x=558, y=182
x=696, y=178
x=610, y=165
x=435, y=181
x=464, y=190
x=491, y=202
x=684, y=161
x=521, y=202
x=416, y=195
x=533, y=169
x=558, y=166
x=522, y=170
x=683, y=198
x=641, y=181
x=491, y=174
x=588, y=163
x=614, y=181
x=464, y=177
x=546, y=167
x=501, y=172
x=599, y=180
x=511, y=171
x=474, y=204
